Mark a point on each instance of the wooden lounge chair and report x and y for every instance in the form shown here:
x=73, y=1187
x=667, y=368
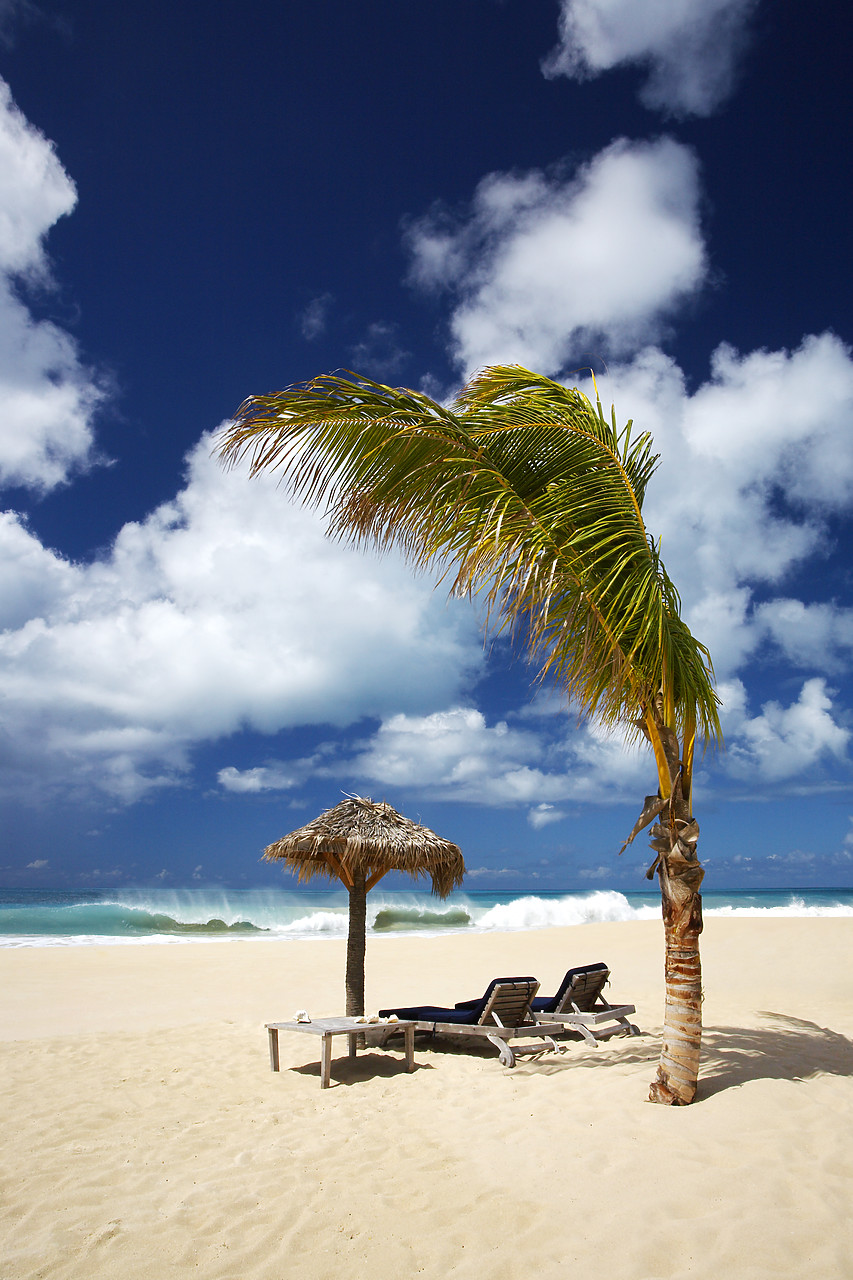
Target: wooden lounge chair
x=579, y=1004
x=501, y=1014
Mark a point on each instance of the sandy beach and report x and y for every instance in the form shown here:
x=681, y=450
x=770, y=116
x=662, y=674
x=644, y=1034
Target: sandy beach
x=144, y=1135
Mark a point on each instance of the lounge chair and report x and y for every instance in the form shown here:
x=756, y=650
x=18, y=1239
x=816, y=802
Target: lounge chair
x=580, y=1005
x=501, y=1014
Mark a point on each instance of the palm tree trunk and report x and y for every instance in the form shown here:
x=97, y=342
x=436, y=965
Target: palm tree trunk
x=678, y=1069
x=356, y=947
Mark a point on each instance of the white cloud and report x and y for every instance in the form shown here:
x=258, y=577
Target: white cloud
x=456, y=755
x=47, y=397
x=226, y=608
x=262, y=778
x=542, y=815
x=545, y=266
x=452, y=751
x=808, y=635
x=782, y=418
x=690, y=47
x=782, y=742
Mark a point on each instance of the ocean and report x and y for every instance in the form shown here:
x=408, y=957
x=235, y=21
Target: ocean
x=45, y=917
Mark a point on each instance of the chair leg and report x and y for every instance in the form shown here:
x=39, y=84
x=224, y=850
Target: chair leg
x=506, y=1054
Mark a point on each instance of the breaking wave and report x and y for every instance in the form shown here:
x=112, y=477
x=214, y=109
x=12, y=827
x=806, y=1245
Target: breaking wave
x=55, y=918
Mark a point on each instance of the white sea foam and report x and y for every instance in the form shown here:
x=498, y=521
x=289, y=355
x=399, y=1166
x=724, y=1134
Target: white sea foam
x=319, y=922
x=795, y=907
x=544, y=913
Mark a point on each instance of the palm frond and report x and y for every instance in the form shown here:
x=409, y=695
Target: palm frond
x=522, y=491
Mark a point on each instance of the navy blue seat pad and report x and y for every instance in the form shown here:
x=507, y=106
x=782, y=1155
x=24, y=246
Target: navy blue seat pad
x=431, y=1013
x=467, y=1013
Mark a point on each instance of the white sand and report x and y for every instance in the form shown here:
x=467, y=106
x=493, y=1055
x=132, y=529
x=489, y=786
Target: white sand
x=143, y=1134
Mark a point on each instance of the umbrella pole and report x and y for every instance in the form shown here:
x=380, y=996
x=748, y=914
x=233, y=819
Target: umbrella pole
x=356, y=946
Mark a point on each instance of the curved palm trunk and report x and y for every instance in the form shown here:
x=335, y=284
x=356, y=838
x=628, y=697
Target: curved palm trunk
x=356, y=947
x=674, y=838
x=678, y=1069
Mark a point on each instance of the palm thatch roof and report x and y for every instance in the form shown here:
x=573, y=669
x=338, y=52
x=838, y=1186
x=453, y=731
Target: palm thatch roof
x=361, y=837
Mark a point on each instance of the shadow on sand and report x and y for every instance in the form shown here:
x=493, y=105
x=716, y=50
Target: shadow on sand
x=367, y=1066
x=787, y=1049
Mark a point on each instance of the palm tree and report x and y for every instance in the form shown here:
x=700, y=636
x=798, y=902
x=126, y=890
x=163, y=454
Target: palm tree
x=525, y=492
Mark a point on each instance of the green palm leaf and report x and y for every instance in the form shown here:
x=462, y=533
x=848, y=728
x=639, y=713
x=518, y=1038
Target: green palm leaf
x=522, y=491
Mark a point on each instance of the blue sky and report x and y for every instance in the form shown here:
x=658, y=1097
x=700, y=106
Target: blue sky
x=191, y=212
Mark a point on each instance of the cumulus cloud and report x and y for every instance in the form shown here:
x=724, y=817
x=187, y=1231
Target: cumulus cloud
x=261, y=778
x=782, y=742
x=47, y=396
x=691, y=48
x=456, y=755
x=453, y=751
x=226, y=608
x=782, y=418
x=544, y=266
x=818, y=635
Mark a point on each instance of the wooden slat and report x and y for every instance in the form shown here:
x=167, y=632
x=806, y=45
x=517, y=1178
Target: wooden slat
x=585, y=989
x=510, y=1001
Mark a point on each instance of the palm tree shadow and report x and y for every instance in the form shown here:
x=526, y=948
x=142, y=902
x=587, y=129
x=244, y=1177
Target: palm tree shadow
x=788, y=1049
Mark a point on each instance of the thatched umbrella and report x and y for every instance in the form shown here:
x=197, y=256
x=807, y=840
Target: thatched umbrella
x=357, y=842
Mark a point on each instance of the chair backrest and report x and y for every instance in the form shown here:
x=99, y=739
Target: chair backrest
x=507, y=1002
x=581, y=988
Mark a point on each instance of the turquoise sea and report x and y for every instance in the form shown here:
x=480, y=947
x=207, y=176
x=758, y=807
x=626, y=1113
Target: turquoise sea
x=40, y=918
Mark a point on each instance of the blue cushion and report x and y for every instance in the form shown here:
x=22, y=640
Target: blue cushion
x=466, y=1013
x=420, y=1013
